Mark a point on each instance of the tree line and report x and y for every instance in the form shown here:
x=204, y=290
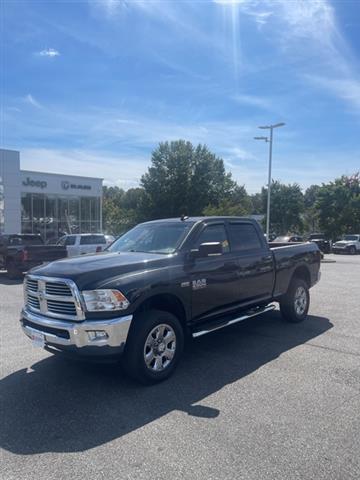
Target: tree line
x=191, y=180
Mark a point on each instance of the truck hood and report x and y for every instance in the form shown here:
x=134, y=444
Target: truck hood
x=344, y=243
x=91, y=270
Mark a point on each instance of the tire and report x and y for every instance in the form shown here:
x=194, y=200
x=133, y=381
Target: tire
x=352, y=250
x=294, y=305
x=12, y=272
x=146, y=340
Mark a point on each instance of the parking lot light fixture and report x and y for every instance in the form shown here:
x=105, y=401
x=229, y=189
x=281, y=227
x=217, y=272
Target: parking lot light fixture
x=271, y=128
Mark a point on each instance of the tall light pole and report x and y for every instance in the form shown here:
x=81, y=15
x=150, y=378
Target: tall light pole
x=266, y=139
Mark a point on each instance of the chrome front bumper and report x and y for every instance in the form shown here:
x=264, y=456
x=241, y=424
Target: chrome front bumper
x=77, y=335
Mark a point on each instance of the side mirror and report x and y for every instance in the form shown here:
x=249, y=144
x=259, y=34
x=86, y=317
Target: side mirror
x=207, y=250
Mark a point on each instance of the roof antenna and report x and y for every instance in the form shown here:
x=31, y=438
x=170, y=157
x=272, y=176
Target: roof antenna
x=183, y=217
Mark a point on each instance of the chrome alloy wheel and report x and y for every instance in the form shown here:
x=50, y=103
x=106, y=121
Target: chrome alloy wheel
x=300, y=301
x=160, y=347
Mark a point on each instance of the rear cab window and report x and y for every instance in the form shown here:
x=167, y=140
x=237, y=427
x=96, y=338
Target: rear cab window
x=244, y=237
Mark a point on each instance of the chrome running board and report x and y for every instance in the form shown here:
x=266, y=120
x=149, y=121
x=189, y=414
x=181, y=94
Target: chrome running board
x=249, y=314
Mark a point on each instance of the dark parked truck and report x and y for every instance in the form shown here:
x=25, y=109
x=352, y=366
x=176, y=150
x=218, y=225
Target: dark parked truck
x=21, y=252
x=162, y=282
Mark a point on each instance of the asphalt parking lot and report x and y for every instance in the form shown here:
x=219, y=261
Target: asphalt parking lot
x=261, y=400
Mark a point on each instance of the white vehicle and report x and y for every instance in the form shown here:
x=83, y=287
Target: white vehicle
x=109, y=239
x=349, y=244
x=80, y=244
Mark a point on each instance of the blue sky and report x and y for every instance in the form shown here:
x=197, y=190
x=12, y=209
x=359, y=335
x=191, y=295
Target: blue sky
x=91, y=87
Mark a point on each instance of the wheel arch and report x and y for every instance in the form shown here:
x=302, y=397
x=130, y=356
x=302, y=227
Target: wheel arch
x=303, y=273
x=166, y=302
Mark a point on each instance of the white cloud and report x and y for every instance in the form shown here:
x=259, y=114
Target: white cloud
x=346, y=88
x=253, y=100
x=121, y=170
x=30, y=99
x=49, y=52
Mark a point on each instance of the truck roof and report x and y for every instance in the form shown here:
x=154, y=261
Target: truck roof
x=199, y=219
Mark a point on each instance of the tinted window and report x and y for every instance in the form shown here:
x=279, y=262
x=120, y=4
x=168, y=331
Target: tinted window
x=70, y=240
x=243, y=236
x=25, y=240
x=214, y=233
x=92, y=240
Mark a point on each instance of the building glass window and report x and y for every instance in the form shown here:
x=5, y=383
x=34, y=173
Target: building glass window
x=51, y=219
x=54, y=216
x=2, y=206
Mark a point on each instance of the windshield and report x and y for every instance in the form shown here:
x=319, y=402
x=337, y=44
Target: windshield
x=351, y=237
x=152, y=238
x=316, y=236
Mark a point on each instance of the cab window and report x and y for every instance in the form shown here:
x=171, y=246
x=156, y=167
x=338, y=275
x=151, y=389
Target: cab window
x=214, y=233
x=244, y=237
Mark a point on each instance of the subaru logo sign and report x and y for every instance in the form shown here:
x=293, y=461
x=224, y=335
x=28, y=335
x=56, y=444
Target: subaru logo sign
x=65, y=185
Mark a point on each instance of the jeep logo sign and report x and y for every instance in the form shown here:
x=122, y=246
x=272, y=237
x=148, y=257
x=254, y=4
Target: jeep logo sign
x=34, y=183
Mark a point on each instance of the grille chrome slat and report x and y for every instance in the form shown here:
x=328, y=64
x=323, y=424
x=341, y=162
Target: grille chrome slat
x=58, y=289
x=53, y=297
x=32, y=285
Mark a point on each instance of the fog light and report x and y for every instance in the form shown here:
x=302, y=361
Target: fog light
x=97, y=335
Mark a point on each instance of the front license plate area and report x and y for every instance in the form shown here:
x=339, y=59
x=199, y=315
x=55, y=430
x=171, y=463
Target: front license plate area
x=37, y=339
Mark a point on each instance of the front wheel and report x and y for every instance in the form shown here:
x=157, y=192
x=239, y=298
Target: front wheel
x=294, y=305
x=352, y=250
x=154, y=346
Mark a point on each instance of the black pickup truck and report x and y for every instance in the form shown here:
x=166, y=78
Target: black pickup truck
x=21, y=252
x=162, y=282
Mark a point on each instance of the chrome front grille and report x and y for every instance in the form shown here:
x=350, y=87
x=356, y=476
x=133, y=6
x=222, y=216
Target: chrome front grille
x=33, y=302
x=53, y=297
x=32, y=285
x=60, y=289
x=66, y=308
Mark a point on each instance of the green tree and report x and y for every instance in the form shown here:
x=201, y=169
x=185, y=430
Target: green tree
x=238, y=204
x=184, y=179
x=311, y=214
x=257, y=206
x=122, y=210
x=338, y=205
x=287, y=206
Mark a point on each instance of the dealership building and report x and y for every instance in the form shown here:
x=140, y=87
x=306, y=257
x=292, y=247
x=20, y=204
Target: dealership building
x=47, y=203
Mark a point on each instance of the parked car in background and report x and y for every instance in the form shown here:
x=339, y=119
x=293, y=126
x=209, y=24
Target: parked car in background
x=289, y=239
x=321, y=241
x=20, y=252
x=109, y=239
x=82, y=243
x=349, y=244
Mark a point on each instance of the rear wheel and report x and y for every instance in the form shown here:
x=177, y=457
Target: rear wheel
x=154, y=346
x=294, y=305
x=352, y=250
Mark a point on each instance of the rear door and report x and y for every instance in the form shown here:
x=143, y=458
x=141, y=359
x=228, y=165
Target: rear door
x=256, y=273
x=214, y=279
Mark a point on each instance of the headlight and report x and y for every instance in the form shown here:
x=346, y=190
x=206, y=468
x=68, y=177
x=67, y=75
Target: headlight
x=104, y=300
